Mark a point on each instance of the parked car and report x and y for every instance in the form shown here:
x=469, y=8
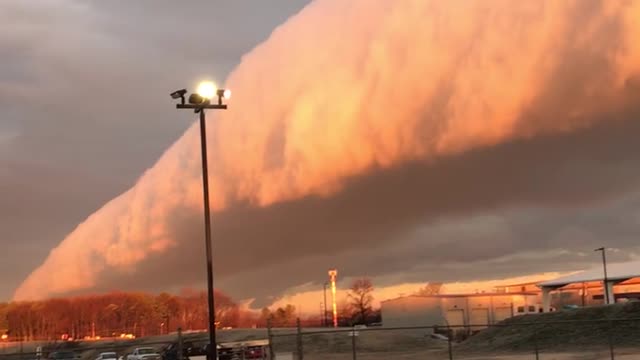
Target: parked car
x=232, y=352
x=144, y=353
x=189, y=350
x=171, y=352
x=107, y=356
x=252, y=349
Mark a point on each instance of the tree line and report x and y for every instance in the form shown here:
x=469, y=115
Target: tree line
x=143, y=314
x=116, y=313
x=356, y=309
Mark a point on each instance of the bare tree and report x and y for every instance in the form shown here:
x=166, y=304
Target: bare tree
x=431, y=288
x=114, y=313
x=361, y=299
x=280, y=317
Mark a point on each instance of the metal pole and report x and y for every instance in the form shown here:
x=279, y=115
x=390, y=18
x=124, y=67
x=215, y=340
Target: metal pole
x=212, y=354
x=535, y=342
x=180, y=351
x=606, y=277
x=270, y=337
x=324, y=316
x=449, y=339
x=610, y=336
x=606, y=280
x=299, y=338
x=353, y=342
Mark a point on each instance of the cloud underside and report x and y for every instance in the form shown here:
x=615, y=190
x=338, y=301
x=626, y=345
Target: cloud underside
x=420, y=221
x=426, y=143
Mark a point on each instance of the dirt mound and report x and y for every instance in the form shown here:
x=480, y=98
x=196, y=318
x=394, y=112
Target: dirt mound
x=581, y=328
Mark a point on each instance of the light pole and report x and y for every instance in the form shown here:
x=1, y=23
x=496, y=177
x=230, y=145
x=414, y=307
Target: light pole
x=606, y=280
x=198, y=102
x=333, y=274
x=324, y=314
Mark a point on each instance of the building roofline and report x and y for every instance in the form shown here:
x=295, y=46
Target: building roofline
x=521, y=284
x=616, y=272
x=445, y=296
x=563, y=282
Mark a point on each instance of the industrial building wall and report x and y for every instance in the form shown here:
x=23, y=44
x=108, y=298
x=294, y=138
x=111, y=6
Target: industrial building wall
x=527, y=304
x=502, y=308
x=456, y=310
x=412, y=311
x=592, y=296
x=533, y=287
x=476, y=310
x=562, y=298
x=481, y=310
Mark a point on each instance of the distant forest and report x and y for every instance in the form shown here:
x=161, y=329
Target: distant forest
x=142, y=314
x=117, y=313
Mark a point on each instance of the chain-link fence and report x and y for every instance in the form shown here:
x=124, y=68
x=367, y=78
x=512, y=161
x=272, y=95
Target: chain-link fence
x=175, y=346
x=570, y=339
x=579, y=339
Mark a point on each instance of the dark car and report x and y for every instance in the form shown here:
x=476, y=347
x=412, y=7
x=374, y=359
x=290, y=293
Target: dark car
x=188, y=350
x=254, y=352
x=229, y=352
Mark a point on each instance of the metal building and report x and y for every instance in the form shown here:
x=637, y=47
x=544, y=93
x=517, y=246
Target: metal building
x=474, y=311
x=585, y=288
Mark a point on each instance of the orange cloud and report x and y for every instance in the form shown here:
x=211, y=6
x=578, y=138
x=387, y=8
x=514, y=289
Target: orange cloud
x=344, y=87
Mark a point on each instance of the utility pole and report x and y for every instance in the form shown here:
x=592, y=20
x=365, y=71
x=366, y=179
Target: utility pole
x=198, y=102
x=606, y=279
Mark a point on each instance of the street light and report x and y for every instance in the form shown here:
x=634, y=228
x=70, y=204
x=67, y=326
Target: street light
x=605, y=282
x=199, y=102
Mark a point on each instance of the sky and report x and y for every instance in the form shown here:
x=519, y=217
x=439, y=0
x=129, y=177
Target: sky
x=85, y=107
x=407, y=142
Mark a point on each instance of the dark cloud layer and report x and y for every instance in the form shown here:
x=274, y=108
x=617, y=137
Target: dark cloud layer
x=420, y=219
x=532, y=203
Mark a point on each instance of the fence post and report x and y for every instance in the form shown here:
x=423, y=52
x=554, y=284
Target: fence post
x=353, y=341
x=449, y=340
x=535, y=342
x=270, y=337
x=299, y=338
x=610, y=337
x=180, y=352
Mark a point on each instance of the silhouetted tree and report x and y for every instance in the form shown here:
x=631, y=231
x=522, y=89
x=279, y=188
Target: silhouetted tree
x=431, y=288
x=281, y=317
x=361, y=299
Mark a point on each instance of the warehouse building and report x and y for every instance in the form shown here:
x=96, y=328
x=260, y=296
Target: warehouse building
x=473, y=311
x=585, y=288
x=476, y=311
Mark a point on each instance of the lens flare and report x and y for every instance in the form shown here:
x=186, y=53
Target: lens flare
x=207, y=89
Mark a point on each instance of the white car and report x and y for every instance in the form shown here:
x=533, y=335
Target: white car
x=144, y=353
x=107, y=356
